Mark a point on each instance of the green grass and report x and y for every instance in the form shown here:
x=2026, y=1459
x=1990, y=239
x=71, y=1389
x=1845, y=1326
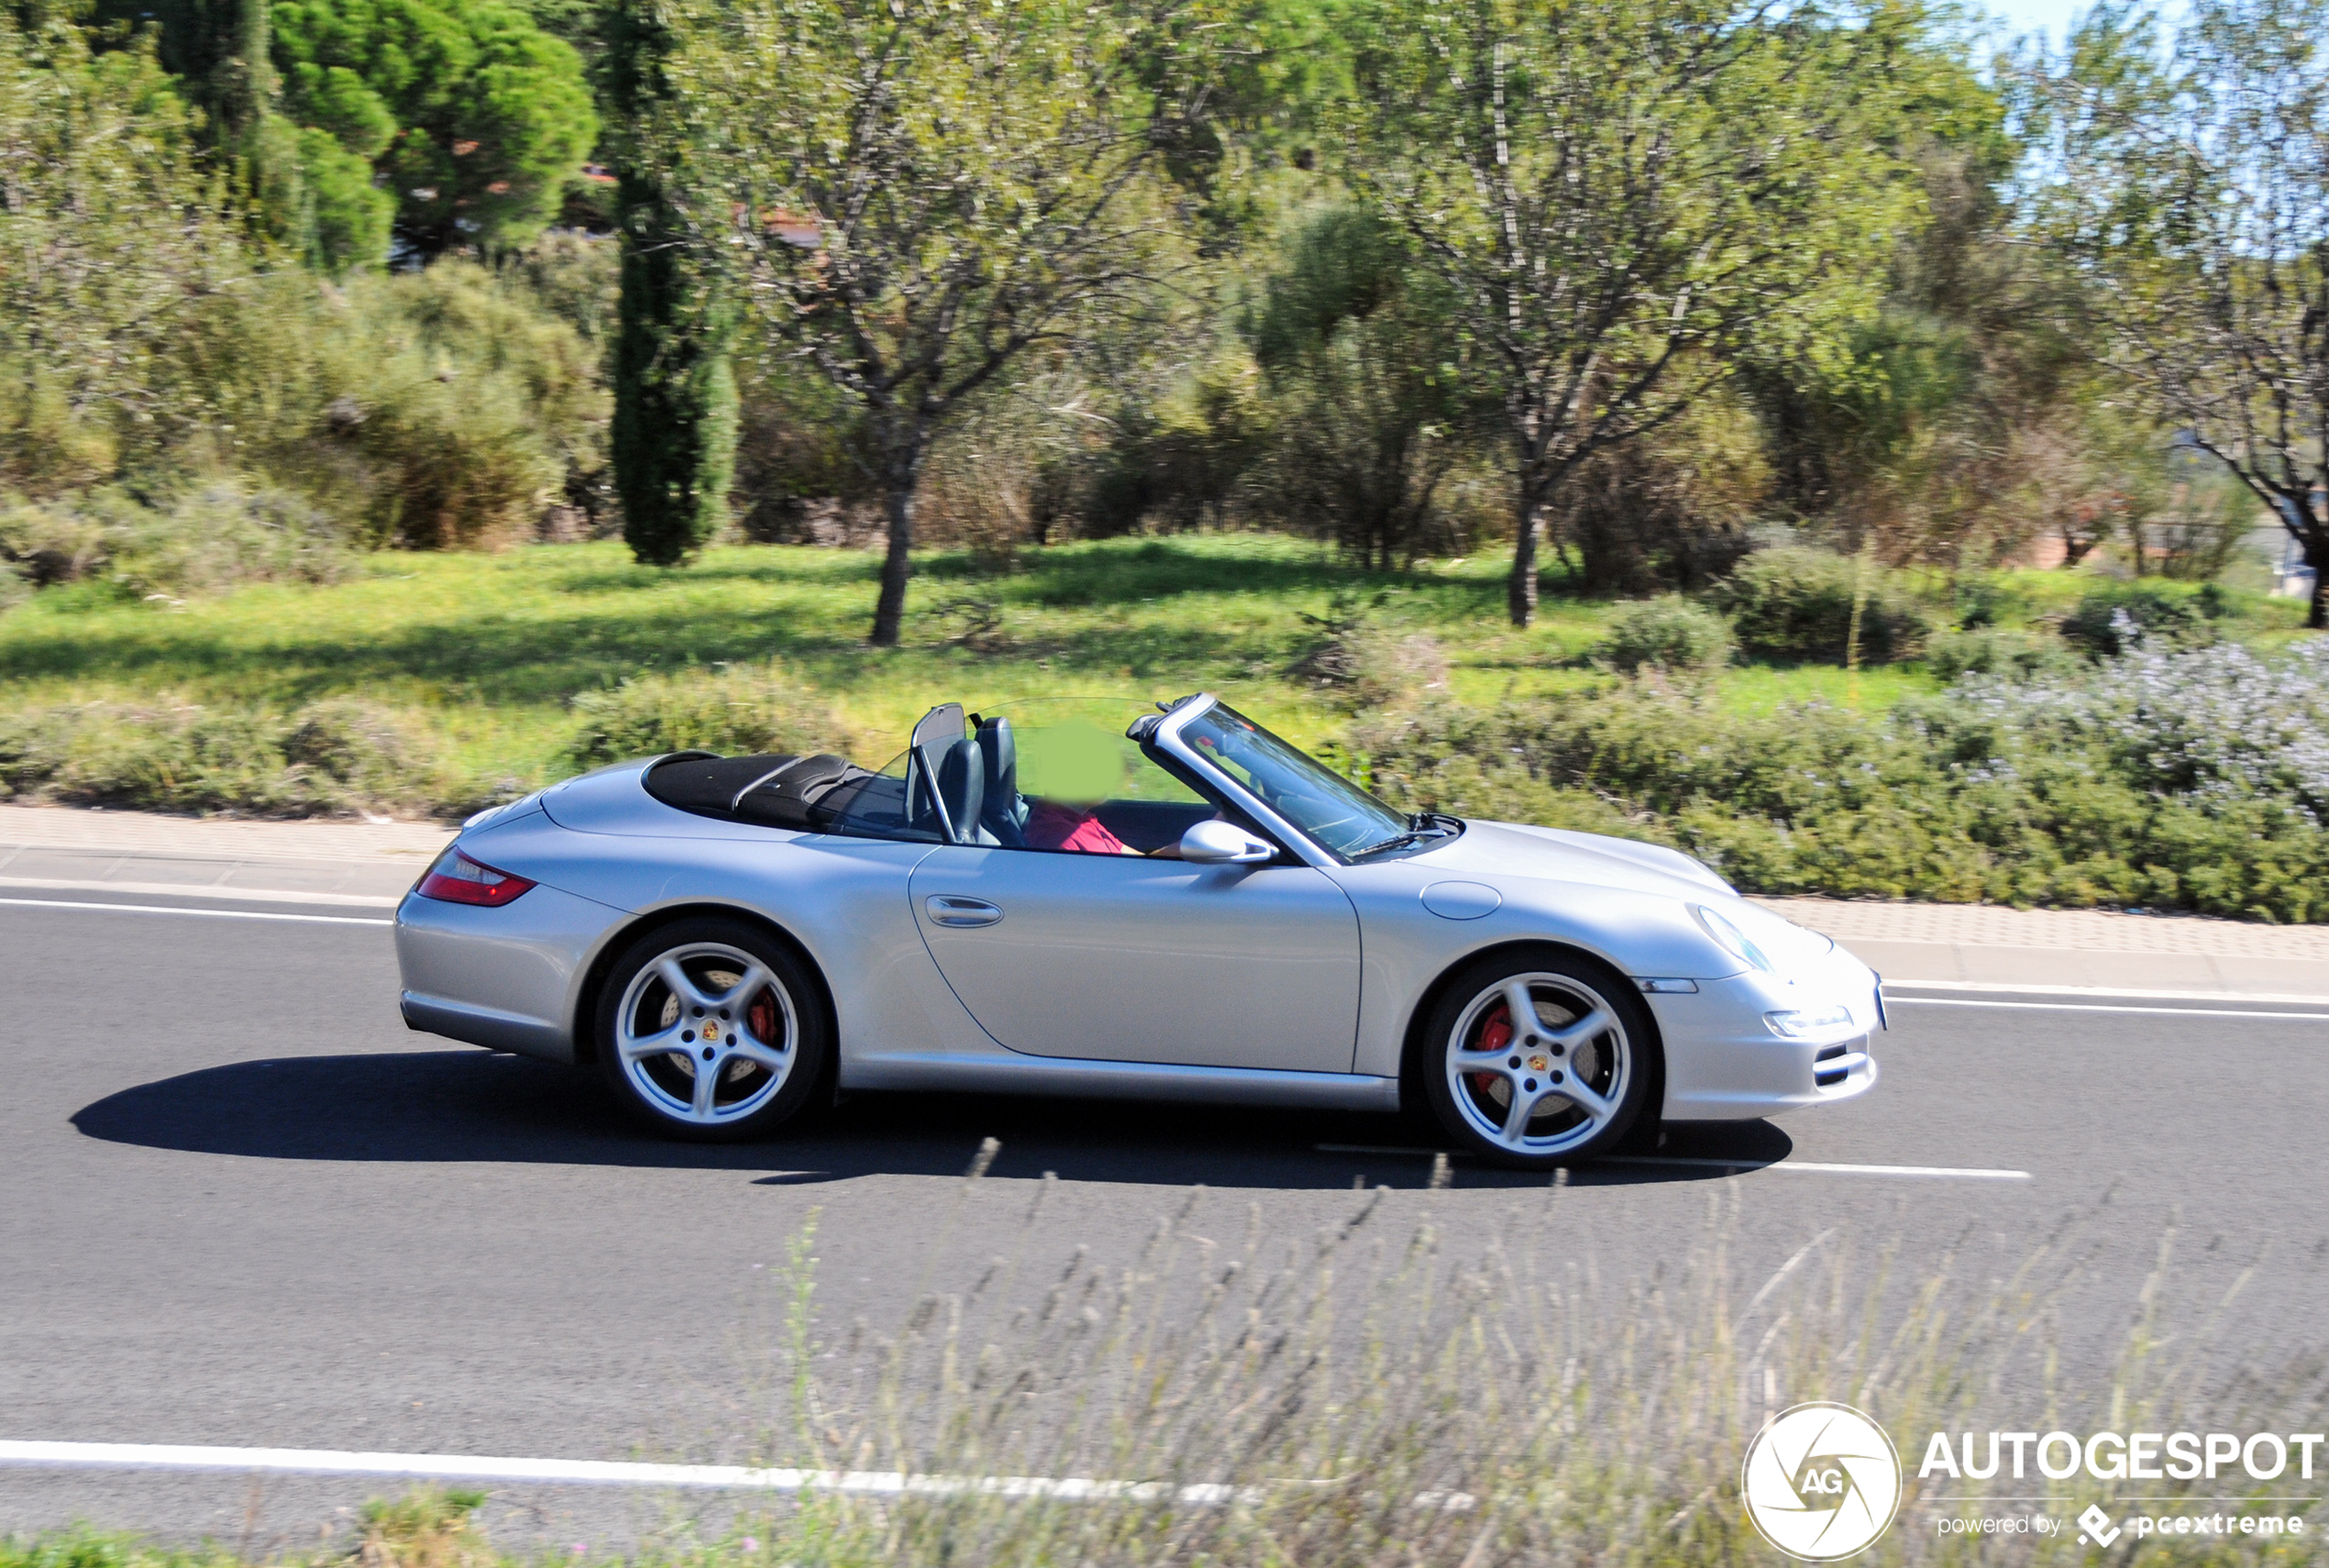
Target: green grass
x=487, y=651
x=490, y=648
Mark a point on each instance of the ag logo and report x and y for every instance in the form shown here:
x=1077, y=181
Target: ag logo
x=1821, y=1481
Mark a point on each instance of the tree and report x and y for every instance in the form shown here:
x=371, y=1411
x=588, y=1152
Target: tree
x=1621, y=195
x=2190, y=193
x=918, y=192
x=1356, y=341
x=112, y=247
x=474, y=117
x=301, y=187
x=674, y=436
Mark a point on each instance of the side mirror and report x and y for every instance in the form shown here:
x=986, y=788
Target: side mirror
x=1221, y=844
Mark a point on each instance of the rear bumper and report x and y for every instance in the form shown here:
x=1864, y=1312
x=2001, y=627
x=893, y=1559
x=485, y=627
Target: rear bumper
x=1723, y=1063
x=528, y=957
x=494, y=1030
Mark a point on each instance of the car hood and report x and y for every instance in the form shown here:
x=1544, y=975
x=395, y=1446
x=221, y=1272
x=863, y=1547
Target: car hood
x=1497, y=851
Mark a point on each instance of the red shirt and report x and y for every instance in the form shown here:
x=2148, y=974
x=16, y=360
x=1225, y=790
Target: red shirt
x=1051, y=825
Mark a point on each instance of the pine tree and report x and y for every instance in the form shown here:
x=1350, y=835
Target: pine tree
x=674, y=430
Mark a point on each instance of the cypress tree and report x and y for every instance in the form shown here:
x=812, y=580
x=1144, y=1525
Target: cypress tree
x=674, y=430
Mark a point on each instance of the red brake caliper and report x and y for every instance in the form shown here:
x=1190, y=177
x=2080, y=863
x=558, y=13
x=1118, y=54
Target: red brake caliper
x=1494, y=1035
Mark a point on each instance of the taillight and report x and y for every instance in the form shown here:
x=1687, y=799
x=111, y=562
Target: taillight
x=457, y=879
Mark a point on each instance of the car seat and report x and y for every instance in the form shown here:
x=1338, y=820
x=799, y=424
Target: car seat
x=962, y=785
x=1005, y=815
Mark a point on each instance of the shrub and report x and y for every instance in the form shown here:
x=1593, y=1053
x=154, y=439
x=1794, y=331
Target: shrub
x=227, y=531
x=426, y=1528
x=2192, y=779
x=360, y=751
x=1670, y=633
x=1367, y=661
x=49, y=544
x=332, y=757
x=1994, y=650
x=2158, y=614
x=1796, y=603
x=732, y=712
x=457, y=409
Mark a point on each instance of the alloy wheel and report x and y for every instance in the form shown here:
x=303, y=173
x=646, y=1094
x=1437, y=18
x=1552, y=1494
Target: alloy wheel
x=706, y=1034
x=1539, y=1064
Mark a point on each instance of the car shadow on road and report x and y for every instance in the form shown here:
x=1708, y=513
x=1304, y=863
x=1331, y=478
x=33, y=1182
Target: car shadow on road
x=465, y=1106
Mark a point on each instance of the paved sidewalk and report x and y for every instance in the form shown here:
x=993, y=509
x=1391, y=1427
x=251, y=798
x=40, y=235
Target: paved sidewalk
x=53, y=850
x=1982, y=945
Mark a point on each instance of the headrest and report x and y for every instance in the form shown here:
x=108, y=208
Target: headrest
x=1001, y=752
x=962, y=784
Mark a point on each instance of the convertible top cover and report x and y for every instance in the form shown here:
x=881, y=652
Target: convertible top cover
x=803, y=792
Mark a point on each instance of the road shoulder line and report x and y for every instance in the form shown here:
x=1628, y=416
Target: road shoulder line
x=202, y=891
x=1998, y=987
x=594, y=1472
x=198, y=914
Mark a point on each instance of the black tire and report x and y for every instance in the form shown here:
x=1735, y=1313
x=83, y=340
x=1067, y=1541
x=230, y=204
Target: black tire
x=1559, y=1125
x=767, y=1056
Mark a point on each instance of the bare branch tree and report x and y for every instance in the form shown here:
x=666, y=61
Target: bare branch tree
x=916, y=193
x=1622, y=194
x=2190, y=192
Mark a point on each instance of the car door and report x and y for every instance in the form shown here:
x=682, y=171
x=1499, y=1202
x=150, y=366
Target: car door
x=1125, y=958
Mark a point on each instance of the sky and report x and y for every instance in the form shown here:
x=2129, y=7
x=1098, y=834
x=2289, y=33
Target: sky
x=2028, y=15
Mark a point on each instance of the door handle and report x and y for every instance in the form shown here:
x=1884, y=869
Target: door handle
x=949, y=909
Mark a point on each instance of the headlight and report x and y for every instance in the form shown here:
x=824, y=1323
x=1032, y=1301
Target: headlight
x=1810, y=1021
x=1730, y=939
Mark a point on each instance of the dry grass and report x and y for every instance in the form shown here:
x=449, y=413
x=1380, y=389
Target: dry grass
x=1367, y=1396
x=1363, y=1396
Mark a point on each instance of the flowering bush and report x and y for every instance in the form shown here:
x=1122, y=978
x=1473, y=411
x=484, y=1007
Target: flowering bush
x=2174, y=777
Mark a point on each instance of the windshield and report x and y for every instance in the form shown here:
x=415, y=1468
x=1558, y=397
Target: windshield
x=1336, y=814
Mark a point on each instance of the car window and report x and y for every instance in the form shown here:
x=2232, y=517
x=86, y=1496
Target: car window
x=879, y=807
x=1335, y=812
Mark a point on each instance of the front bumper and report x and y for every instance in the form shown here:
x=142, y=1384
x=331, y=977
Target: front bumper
x=1723, y=1063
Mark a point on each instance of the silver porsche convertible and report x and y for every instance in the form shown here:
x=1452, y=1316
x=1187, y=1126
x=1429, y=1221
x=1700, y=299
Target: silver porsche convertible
x=1117, y=898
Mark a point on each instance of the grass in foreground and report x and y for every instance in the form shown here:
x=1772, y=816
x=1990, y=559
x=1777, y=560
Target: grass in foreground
x=1375, y=1397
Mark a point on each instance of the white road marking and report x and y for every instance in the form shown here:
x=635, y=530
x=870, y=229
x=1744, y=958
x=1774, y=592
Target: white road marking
x=199, y=914
x=595, y=1472
x=1947, y=1172
x=1892, y=1000
x=1996, y=987
x=1812, y=1167
x=204, y=890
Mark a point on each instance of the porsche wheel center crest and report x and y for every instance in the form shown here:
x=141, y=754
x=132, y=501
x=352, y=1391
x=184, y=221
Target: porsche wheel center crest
x=1821, y=1481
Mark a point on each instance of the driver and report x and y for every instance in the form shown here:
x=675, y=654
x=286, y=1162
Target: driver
x=1085, y=765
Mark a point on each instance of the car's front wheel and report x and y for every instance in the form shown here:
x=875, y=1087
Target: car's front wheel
x=1537, y=1059
x=708, y=1030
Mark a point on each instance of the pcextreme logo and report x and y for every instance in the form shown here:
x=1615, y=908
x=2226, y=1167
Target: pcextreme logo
x=1821, y=1481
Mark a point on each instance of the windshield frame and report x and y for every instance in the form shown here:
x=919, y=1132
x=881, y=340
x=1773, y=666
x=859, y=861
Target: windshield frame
x=1168, y=738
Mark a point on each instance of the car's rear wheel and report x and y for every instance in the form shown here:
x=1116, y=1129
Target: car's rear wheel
x=1537, y=1059
x=708, y=1030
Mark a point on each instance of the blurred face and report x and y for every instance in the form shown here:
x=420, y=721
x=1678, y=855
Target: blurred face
x=1081, y=764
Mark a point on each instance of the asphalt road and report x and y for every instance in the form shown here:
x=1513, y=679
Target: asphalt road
x=241, y=1205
